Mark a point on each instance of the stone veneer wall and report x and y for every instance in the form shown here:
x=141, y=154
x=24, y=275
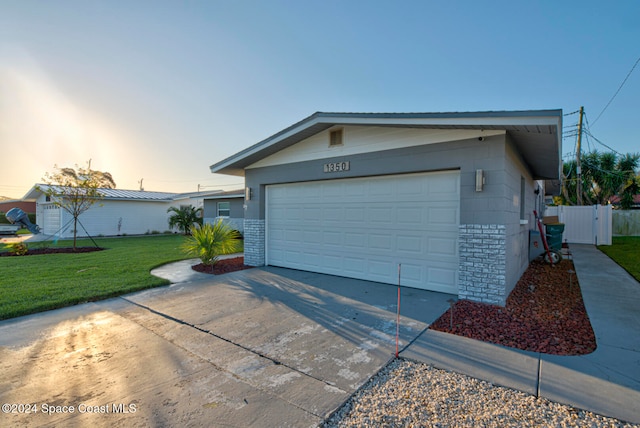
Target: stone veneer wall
x=482, y=268
x=253, y=242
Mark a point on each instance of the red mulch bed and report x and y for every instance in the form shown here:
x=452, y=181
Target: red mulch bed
x=223, y=266
x=38, y=251
x=544, y=313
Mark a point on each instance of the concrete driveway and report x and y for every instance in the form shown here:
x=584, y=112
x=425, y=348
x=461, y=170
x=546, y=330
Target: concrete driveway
x=262, y=347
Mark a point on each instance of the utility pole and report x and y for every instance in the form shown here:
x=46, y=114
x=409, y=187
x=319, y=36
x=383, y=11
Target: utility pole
x=140, y=182
x=578, y=166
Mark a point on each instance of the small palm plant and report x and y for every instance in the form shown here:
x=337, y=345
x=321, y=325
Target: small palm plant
x=184, y=217
x=210, y=241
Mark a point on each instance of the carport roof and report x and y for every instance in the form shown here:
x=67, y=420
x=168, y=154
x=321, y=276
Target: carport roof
x=536, y=133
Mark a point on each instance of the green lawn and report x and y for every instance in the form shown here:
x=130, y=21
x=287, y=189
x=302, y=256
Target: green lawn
x=38, y=283
x=626, y=252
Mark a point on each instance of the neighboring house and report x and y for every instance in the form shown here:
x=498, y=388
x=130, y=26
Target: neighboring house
x=27, y=207
x=120, y=212
x=227, y=205
x=448, y=196
x=615, y=201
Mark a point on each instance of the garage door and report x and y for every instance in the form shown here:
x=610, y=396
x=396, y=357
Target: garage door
x=51, y=220
x=364, y=227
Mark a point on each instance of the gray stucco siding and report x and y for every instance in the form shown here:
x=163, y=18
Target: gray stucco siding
x=464, y=155
x=493, y=243
x=236, y=209
x=491, y=240
x=517, y=235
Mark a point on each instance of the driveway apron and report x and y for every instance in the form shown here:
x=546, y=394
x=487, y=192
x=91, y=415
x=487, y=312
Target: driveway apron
x=260, y=347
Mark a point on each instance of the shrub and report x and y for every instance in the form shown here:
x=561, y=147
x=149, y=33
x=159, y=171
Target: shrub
x=210, y=241
x=184, y=218
x=17, y=248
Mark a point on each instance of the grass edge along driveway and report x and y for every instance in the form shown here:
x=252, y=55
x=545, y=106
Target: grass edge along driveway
x=37, y=283
x=33, y=284
x=626, y=252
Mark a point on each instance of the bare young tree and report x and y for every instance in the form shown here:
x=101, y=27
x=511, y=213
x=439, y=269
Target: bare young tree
x=76, y=190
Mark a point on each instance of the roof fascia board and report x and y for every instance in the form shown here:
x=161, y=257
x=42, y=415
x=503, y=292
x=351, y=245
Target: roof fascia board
x=453, y=121
x=231, y=196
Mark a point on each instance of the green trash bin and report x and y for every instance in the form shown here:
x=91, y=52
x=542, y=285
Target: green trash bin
x=554, y=235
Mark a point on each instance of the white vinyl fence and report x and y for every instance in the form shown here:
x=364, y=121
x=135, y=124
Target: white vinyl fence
x=585, y=224
x=626, y=223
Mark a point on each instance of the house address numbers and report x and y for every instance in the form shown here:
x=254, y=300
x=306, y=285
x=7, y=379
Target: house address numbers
x=336, y=166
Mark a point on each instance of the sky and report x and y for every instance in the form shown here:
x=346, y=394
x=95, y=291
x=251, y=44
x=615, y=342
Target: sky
x=157, y=91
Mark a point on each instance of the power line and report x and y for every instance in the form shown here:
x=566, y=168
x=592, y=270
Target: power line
x=619, y=88
x=588, y=132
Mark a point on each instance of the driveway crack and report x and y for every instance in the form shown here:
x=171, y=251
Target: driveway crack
x=239, y=345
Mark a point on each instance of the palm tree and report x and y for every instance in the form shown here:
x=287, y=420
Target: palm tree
x=603, y=176
x=210, y=241
x=184, y=217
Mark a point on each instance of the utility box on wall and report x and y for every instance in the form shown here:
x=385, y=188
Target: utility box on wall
x=536, y=247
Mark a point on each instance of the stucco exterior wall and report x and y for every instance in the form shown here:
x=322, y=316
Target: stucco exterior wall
x=112, y=218
x=465, y=155
x=235, y=207
x=517, y=232
x=236, y=211
x=492, y=242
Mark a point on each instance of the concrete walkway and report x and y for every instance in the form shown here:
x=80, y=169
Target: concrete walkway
x=28, y=238
x=606, y=381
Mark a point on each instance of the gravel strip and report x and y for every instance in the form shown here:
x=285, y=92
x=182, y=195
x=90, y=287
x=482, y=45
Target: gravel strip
x=409, y=394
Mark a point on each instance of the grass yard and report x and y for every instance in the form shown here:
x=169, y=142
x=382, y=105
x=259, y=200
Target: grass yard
x=626, y=252
x=30, y=284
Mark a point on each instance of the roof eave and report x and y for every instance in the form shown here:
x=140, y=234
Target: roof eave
x=319, y=121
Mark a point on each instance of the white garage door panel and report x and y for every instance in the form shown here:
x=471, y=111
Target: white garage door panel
x=364, y=227
x=51, y=221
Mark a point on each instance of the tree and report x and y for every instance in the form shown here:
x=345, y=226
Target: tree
x=603, y=175
x=631, y=188
x=184, y=217
x=210, y=241
x=76, y=190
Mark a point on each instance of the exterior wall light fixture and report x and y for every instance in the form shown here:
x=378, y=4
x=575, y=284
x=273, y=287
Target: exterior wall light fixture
x=479, y=180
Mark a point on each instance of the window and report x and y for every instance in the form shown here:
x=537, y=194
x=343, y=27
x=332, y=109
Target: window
x=224, y=208
x=335, y=138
